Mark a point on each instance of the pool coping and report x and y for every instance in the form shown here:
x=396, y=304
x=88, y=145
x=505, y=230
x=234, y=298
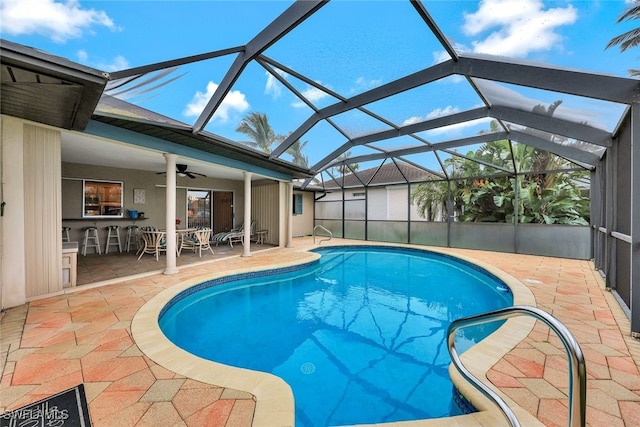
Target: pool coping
x=274, y=398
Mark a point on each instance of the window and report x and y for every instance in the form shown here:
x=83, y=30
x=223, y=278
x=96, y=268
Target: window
x=297, y=204
x=102, y=199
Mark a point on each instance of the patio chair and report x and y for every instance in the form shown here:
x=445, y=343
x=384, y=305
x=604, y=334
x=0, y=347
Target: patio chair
x=238, y=237
x=197, y=240
x=229, y=236
x=154, y=242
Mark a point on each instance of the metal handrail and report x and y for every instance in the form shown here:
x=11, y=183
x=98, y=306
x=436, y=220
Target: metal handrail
x=323, y=240
x=577, y=367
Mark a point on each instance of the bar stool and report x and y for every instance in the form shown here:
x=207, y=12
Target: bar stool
x=90, y=239
x=65, y=234
x=132, y=237
x=115, y=229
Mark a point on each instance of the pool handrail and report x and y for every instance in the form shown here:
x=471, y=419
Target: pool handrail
x=323, y=240
x=577, y=367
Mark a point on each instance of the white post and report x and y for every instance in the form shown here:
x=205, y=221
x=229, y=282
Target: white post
x=247, y=215
x=289, y=216
x=171, y=213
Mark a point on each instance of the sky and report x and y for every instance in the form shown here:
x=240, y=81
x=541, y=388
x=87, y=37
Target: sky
x=348, y=47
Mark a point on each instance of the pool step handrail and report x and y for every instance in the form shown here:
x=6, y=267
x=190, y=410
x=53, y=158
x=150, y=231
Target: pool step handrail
x=323, y=240
x=577, y=367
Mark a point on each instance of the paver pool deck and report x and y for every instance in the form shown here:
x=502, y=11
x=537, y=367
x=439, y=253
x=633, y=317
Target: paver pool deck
x=84, y=336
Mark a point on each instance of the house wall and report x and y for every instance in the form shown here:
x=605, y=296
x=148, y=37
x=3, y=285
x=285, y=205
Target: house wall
x=388, y=203
x=303, y=224
x=13, y=227
x=30, y=259
x=265, y=196
x=42, y=210
x=155, y=196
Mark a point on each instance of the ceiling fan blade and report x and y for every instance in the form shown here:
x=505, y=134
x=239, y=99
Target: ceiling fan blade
x=190, y=175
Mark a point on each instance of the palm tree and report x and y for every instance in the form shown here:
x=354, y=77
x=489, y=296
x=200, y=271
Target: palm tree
x=296, y=153
x=295, y=150
x=431, y=199
x=343, y=169
x=632, y=37
x=256, y=126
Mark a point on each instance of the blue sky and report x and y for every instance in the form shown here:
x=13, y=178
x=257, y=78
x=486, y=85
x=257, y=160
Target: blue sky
x=347, y=46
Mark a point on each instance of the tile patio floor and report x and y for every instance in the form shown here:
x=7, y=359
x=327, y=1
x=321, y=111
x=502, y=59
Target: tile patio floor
x=56, y=343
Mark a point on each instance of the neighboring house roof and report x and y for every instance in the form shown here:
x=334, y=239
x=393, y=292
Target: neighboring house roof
x=388, y=174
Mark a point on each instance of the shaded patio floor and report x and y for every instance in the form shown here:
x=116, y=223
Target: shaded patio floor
x=115, y=265
x=56, y=343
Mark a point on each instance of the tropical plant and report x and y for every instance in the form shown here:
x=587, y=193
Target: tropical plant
x=632, y=37
x=431, y=199
x=543, y=197
x=256, y=126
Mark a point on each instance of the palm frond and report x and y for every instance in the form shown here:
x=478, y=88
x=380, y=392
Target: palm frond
x=627, y=40
x=632, y=13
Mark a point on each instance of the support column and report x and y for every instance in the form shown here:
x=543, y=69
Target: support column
x=171, y=213
x=283, y=205
x=289, y=215
x=246, y=252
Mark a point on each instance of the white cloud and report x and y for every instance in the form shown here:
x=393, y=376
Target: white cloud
x=412, y=120
x=234, y=101
x=441, y=112
x=118, y=63
x=452, y=129
x=312, y=94
x=517, y=27
x=440, y=56
x=83, y=56
x=366, y=84
x=438, y=112
x=60, y=21
x=272, y=86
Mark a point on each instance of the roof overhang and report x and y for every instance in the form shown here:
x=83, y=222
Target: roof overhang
x=47, y=89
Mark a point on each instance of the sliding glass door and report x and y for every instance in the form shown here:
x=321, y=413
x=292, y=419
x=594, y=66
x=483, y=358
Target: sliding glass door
x=198, y=208
x=206, y=208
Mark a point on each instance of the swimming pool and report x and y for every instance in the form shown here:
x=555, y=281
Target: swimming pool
x=362, y=328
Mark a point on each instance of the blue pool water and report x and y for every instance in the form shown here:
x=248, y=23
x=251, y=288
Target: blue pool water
x=359, y=335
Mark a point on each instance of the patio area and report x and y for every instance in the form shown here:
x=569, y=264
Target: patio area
x=94, y=268
x=84, y=336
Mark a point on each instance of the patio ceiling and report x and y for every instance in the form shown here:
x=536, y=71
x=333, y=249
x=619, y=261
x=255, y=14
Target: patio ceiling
x=491, y=98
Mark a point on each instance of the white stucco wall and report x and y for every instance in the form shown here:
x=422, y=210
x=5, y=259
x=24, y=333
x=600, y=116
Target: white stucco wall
x=12, y=255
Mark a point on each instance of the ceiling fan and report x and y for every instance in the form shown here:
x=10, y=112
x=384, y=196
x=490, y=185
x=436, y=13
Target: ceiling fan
x=181, y=170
